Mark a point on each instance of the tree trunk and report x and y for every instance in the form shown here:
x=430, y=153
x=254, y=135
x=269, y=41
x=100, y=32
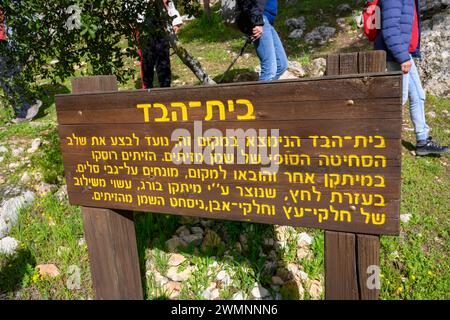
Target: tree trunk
x=190, y=62
x=207, y=8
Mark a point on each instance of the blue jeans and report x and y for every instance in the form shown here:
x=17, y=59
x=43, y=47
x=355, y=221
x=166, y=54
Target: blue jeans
x=412, y=89
x=271, y=53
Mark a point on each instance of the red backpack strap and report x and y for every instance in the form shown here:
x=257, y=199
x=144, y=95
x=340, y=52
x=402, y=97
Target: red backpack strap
x=2, y=26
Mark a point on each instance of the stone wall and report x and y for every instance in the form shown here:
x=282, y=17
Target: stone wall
x=434, y=66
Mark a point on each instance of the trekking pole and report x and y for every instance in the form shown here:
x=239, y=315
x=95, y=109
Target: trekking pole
x=247, y=42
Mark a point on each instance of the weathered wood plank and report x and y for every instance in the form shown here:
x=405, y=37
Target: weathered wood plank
x=343, y=286
x=344, y=88
x=341, y=277
x=368, y=252
x=113, y=254
x=303, y=110
x=309, y=220
x=110, y=234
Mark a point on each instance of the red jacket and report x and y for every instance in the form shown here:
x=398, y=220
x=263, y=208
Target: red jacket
x=2, y=26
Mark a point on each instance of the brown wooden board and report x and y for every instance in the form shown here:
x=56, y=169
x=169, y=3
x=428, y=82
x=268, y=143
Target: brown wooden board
x=110, y=234
x=116, y=144
x=352, y=260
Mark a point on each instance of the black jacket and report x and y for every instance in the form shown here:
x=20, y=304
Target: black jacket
x=250, y=14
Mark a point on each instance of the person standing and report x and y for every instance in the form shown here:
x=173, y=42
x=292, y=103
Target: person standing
x=155, y=49
x=16, y=90
x=400, y=38
x=256, y=20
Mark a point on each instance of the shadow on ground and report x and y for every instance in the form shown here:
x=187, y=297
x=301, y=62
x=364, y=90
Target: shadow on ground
x=13, y=270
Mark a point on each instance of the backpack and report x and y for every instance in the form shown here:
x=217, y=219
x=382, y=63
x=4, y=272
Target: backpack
x=371, y=17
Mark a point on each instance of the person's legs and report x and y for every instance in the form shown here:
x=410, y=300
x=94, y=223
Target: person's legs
x=282, y=60
x=148, y=64
x=265, y=50
x=13, y=87
x=163, y=69
x=412, y=89
x=417, y=104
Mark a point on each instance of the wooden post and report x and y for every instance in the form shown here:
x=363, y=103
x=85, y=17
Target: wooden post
x=348, y=255
x=110, y=234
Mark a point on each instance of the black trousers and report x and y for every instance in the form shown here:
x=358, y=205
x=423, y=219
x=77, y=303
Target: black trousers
x=156, y=55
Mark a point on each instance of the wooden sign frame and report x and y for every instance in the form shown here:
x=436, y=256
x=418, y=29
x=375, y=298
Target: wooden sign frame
x=110, y=233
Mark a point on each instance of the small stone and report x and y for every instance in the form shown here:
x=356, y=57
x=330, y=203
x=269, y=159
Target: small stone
x=157, y=277
x=292, y=268
x=211, y=293
x=173, y=288
x=174, y=275
x=3, y=149
x=195, y=239
x=174, y=243
x=405, y=217
x=13, y=165
x=8, y=246
x=296, y=34
x=211, y=240
x=280, y=245
x=10, y=209
x=303, y=275
x=34, y=145
x=277, y=280
x=1, y=159
x=48, y=270
x=341, y=22
x=238, y=247
x=315, y=289
x=61, y=194
x=304, y=239
x=189, y=220
x=431, y=114
x=81, y=242
x=317, y=67
x=320, y=34
x=18, y=152
x=259, y=292
x=345, y=7
x=176, y=259
x=197, y=230
x=206, y=223
x=269, y=242
x=223, y=277
x=238, y=296
x=292, y=290
x=44, y=188
x=25, y=179
x=296, y=68
x=182, y=231
x=302, y=253
x=296, y=23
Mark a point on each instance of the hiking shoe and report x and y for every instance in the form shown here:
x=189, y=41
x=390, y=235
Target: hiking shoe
x=30, y=113
x=430, y=147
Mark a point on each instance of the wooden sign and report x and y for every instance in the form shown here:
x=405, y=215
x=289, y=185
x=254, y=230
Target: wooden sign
x=321, y=153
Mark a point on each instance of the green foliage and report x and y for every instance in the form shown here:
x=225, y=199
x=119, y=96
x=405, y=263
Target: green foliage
x=203, y=30
x=48, y=46
x=50, y=159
